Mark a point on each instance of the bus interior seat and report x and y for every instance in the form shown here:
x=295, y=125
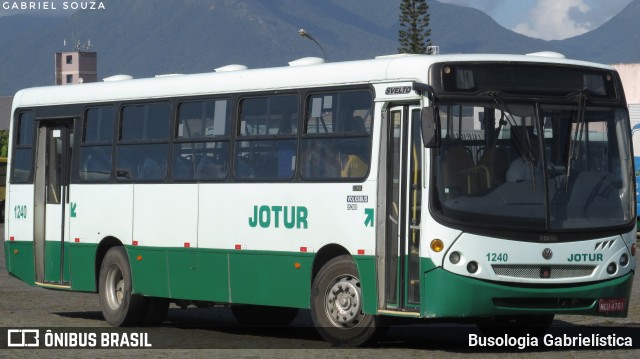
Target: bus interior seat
x=494, y=160
x=183, y=167
x=210, y=168
x=150, y=170
x=244, y=167
x=458, y=170
x=268, y=167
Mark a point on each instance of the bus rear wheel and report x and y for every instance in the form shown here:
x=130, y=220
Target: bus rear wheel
x=336, y=305
x=119, y=307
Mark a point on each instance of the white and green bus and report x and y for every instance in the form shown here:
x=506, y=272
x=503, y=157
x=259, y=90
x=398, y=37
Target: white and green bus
x=492, y=188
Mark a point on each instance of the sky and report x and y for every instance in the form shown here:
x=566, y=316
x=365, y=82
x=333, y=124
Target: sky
x=543, y=19
x=547, y=19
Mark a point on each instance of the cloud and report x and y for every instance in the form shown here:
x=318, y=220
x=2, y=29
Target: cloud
x=487, y=6
x=547, y=19
x=556, y=20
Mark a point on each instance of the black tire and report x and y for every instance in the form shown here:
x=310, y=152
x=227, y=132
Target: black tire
x=119, y=307
x=260, y=316
x=156, y=311
x=336, y=306
x=519, y=325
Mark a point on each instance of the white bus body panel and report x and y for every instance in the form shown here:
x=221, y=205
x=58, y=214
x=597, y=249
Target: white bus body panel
x=102, y=211
x=19, y=209
x=226, y=224
x=165, y=215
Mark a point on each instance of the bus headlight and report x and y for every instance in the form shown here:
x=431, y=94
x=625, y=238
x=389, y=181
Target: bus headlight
x=472, y=267
x=612, y=268
x=624, y=259
x=454, y=257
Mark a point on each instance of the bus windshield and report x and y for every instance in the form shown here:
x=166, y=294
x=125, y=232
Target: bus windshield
x=534, y=166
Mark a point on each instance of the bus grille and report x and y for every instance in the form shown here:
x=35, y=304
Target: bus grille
x=545, y=272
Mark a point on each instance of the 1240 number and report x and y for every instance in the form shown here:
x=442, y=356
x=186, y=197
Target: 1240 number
x=497, y=257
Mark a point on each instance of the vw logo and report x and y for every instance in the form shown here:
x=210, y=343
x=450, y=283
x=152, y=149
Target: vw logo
x=547, y=253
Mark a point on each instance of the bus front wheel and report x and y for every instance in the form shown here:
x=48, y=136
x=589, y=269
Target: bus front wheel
x=119, y=307
x=336, y=305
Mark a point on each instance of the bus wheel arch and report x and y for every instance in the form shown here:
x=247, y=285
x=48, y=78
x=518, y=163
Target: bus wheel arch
x=324, y=255
x=104, y=246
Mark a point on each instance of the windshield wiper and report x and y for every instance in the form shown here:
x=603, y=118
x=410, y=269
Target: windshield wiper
x=521, y=134
x=576, y=141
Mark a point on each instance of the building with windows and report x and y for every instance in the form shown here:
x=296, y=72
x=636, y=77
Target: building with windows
x=76, y=67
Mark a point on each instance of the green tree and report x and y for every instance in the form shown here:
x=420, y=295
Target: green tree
x=4, y=143
x=414, y=34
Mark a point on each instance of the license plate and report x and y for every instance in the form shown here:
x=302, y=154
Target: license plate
x=611, y=305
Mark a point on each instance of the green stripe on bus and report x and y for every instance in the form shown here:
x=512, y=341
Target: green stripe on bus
x=19, y=260
x=234, y=276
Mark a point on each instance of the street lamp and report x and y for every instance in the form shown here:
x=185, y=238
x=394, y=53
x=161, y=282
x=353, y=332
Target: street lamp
x=304, y=33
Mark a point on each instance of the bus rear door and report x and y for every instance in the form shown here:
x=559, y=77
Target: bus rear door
x=51, y=217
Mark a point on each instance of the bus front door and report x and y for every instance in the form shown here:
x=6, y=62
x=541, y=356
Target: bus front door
x=51, y=217
x=403, y=206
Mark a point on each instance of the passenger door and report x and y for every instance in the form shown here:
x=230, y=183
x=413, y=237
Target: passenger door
x=403, y=209
x=51, y=217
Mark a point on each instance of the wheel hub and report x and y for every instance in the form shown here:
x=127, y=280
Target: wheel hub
x=343, y=302
x=114, y=287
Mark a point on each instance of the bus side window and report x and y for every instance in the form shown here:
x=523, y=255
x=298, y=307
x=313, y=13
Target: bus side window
x=319, y=159
x=267, y=129
x=244, y=167
x=150, y=170
x=337, y=142
x=96, y=163
x=210, y=167
x=96, y=145
x=124, y=164
x=183, y=167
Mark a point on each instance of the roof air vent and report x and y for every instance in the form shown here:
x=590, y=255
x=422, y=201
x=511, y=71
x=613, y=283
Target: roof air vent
x=307, y=61
x=117, y=78
x=552, y=54
x=232, y=67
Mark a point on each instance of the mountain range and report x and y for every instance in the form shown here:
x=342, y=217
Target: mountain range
x=143, y=38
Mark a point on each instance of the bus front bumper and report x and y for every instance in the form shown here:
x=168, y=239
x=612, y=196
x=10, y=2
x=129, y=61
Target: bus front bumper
x=448, y=295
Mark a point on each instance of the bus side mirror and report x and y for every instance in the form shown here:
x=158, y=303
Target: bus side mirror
x=430, y=121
